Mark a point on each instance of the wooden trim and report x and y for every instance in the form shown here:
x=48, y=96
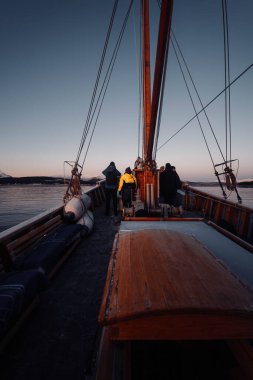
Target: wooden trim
x=198, y=193
x=156, y=219
x=37, y=232
x=108, y=279
x=233, y=237
x=27, y=225
x=184, y=327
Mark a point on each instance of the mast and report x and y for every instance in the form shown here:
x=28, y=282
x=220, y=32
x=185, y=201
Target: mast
x=163, y=40
x=146, y=76
x=148, y=177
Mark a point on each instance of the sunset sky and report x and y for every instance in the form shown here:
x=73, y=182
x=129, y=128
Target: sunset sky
x=50, y=53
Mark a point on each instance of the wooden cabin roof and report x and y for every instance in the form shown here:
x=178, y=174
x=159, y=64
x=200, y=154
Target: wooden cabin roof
x=164, y=284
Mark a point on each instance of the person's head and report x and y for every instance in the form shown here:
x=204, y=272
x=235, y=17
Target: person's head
x=161, y=168
x=128, y=170
x=173, y=168
x=112, y=163
x=167, y=166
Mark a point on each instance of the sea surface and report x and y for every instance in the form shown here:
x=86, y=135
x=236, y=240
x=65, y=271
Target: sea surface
x=21, y=202
x=246, y=193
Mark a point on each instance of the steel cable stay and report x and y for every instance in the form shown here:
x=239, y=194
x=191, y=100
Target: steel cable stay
x=140, y=146
x=97, y=79
x=226, y=78
x=160, y=105
x=139, y=76
x=197, y=93
x=74, y=184
x=74, y=187
x=207, y=105
x=229, y=177
x=175, y=44
x=192, y=101
x=107, y=80
x=227, y=171
x=109, y=70
x=110, y=67
x=194, y=107
x=161, y=100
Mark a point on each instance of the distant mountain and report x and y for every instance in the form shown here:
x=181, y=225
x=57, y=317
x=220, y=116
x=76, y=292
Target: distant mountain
x=247, y=180
x=3, y=175
x=241, y=183
x=245, y=183
x=42, y=180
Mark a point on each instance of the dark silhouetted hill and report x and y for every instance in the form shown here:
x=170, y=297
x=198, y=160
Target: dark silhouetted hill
x=43, y=180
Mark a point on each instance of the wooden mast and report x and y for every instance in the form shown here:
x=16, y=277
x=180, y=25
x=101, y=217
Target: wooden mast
x=148, y=177
x=163, y=39
x=146, y=76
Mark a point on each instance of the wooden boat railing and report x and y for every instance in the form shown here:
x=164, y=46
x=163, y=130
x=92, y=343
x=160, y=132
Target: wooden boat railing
x=26, y=234
x=232, y=217
x=22, y=238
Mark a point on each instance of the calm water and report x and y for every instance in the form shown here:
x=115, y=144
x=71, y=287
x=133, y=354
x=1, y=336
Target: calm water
x=21, y=202
x=245, y=193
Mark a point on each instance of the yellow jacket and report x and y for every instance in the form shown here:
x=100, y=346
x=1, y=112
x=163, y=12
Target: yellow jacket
x=127, y=178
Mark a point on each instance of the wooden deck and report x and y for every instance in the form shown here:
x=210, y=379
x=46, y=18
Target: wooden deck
x=167, y=285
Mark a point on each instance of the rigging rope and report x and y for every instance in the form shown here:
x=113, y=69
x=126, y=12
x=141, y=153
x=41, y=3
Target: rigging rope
x=85, y=131
x=230, y=178
x=75, y=175
x=208, y=104
x=197, y=93
x=195, y=110
x=107, y=77
x=227, y=79
x=161, y=99
x=139, y=76
x=176, y=44
x=140, y=92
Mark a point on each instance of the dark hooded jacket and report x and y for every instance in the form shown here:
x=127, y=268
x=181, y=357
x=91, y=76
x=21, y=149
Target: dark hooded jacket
x=169, y=183
x=111, y=168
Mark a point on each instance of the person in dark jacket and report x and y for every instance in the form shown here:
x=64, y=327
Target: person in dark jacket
x=111, y=187
x=169, y=184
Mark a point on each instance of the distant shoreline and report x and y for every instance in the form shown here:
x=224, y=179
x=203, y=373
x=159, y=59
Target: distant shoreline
x=42, y=180
x=216, y=184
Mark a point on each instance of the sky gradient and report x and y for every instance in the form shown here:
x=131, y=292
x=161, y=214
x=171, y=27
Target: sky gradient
x=50, y=53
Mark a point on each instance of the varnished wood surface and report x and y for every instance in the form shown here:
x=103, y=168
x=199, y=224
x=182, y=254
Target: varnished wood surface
x=160, y=276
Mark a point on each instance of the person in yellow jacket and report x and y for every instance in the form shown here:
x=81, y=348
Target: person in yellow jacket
x=127, y=187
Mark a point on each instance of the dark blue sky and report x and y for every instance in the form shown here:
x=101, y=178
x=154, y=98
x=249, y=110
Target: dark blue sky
x=50, y=52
